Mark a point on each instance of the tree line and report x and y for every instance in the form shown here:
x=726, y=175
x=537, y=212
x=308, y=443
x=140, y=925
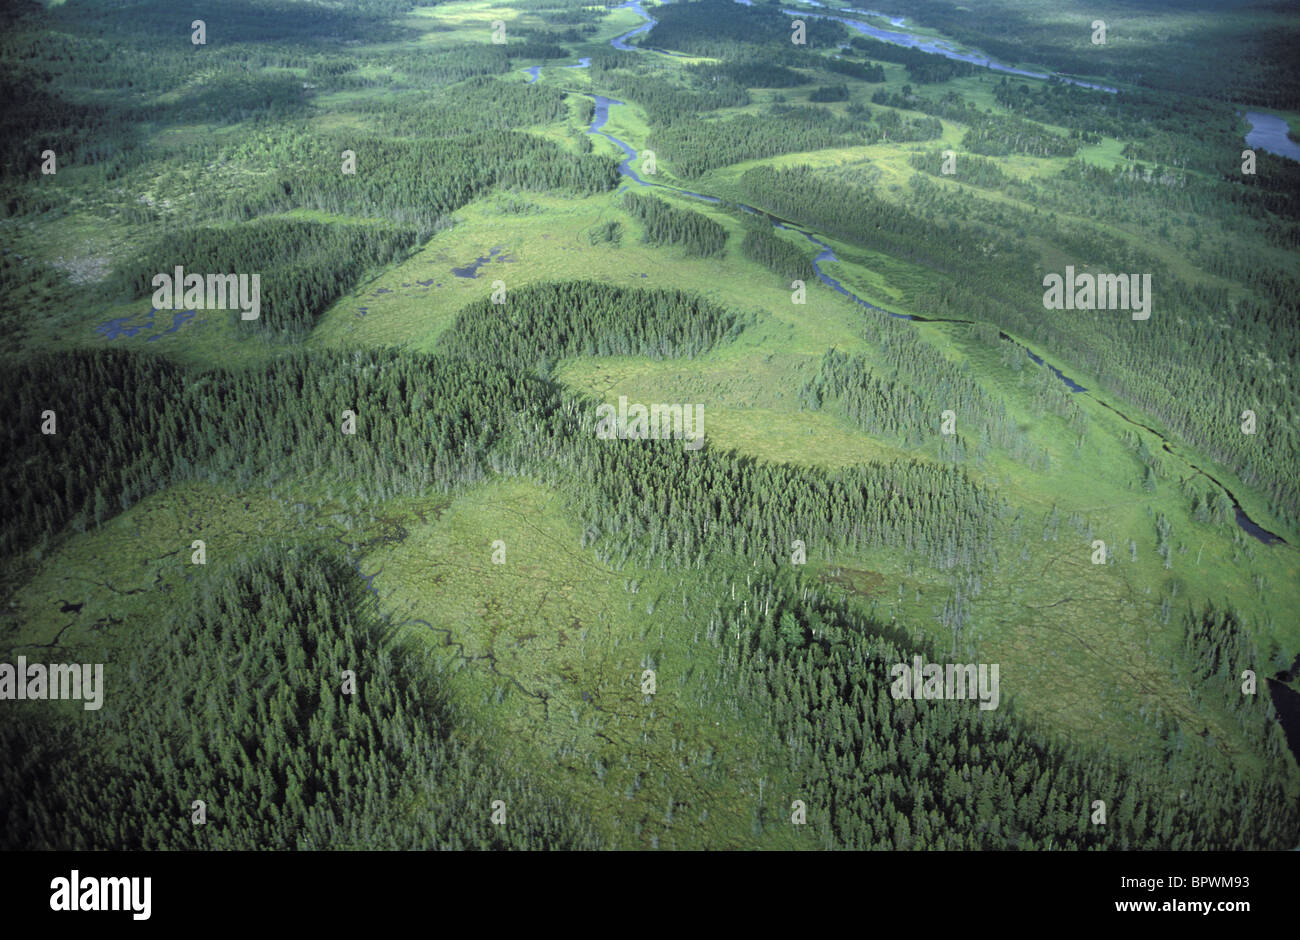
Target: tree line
x=697, y=146
x=763, y=245
x=668, y=225
x=721, y=29
x=314, y=263
x=899, y=774
x=924, y=68
x=298, y=759
x=921, y=775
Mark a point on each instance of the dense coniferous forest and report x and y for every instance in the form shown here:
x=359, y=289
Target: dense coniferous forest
x=543, y=323
x=1159, y=368
x=999, y=137
x=695, y=147
x=924, y=68
x=667, y=225
x=776, y=253
x=711, y=28
x=113, y=447
x=291, y=759
x=315, y=264
x=749, y=73
x=847, y=508
x=860, y=71
x=974, y=170
x=448, y=300
x=422, y=181
x=904, y=774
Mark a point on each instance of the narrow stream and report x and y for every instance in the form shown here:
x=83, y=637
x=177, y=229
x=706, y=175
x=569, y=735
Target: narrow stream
x=825, y=253
x=1285, y=700
x=939, y=47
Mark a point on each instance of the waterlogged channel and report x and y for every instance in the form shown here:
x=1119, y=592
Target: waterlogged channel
x=825, y=254
x=1269, y=132
x=900, y=37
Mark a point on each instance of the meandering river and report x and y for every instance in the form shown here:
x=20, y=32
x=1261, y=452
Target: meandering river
x=1269, y=132
x=941, y=47
x=825, y=253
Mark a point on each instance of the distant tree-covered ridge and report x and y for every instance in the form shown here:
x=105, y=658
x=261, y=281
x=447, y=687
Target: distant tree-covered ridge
x=724, y=29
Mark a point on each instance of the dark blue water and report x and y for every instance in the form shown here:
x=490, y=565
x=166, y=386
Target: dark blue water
x=620, y=42
x=178, y=320
x=1286, y=701
x=598, y=121
x=1268, y=132
x=471, y=270
x=120, y=327
x=1069, y=382
x=941, y=47
x=1250, y=527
